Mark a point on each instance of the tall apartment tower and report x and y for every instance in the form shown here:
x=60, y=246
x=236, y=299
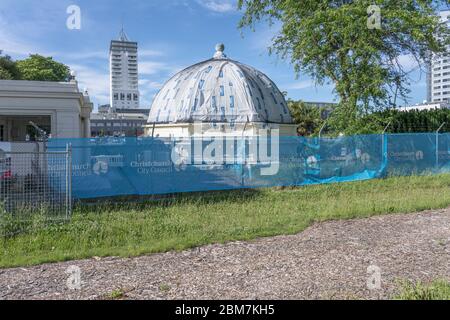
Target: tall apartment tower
x=124, y=88
x=439, y=75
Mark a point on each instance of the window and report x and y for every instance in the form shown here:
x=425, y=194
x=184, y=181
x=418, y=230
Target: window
x=122, y=96
x=2, y=133
x=135, y=97
x=231, y=102
x=116, y=96
x=129, y=96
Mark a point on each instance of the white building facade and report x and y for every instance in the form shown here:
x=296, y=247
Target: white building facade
x=58, y=108
x=439, y=76
x=124, y=76
x=426, y=106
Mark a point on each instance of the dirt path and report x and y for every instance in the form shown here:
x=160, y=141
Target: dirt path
x=328, y=260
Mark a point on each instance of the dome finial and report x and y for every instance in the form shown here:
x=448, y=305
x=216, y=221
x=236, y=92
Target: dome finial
x=220, y=48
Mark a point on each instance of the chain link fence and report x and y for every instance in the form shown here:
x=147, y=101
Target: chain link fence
x=35, y=187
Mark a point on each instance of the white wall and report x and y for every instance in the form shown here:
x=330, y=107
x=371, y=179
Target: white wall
x=63, y=102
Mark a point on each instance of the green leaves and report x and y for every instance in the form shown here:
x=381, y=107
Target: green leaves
x=36, y=67
x=8, y=68
x=329, y=40
x=307, y=116
x=39, y=68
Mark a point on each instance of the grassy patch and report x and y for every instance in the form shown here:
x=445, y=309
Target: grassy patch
x=164, y=288
x=131, y=229
x=438, y=290
x=116, y=294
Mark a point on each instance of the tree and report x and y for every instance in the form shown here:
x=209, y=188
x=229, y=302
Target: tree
x=330, y=40
x=307, y=116
x=40, y=68
x=8, y=68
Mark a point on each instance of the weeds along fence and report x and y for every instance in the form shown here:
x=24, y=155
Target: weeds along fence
x=108, y=167
x=35, y=186
x=38, y=182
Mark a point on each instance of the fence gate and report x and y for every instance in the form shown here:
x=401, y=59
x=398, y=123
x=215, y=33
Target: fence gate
x=34, y=181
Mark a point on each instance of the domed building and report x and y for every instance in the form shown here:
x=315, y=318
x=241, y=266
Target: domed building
x=220, y=96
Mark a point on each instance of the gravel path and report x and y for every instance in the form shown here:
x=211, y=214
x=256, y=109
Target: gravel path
x=327, y=261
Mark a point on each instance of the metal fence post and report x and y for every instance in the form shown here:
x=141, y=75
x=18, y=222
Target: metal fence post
x=321, y=129
x=68, y=180
x=437, y=145
x=384, y=145
x=244, y=159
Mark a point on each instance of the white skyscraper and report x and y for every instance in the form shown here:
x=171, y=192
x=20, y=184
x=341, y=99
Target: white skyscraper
x=124, y=73
x=439, y=76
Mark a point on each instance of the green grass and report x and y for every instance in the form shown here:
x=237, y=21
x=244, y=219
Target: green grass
x=116, y=294
x=438, y=290
x=186, y=221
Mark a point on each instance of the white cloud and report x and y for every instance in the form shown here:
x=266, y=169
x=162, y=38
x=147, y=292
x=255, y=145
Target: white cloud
x=96, y=82
x=12, y=45
x=301, y=85
x=150, y=53
x=263, y=37
x=148, y=89
x=408, y=62
x=151, y=67
x=220, y=6
x=155, y=67
x=85, y=55
x=147, y=83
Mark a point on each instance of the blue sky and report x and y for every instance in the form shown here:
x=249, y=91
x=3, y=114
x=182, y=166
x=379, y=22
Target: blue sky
x=172, y=35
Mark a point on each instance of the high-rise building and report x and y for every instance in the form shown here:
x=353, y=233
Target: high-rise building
x=439, y=72
x=124, y=73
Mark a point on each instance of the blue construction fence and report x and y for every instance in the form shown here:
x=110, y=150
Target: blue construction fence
x=105, y=167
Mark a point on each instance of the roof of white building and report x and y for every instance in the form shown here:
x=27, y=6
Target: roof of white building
x=426, y=106
x=219, y=90
x=39, y=86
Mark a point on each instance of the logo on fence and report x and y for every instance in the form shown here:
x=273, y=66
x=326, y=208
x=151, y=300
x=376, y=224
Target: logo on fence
x=100, y=167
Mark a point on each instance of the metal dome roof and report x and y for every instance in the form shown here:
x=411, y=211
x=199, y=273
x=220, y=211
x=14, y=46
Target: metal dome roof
x=219, y=90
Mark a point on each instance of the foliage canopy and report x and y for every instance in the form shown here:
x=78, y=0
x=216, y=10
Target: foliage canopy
x=330, y=40
x=39, y=68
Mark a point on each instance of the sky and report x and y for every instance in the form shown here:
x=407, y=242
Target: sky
x=172, y=35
